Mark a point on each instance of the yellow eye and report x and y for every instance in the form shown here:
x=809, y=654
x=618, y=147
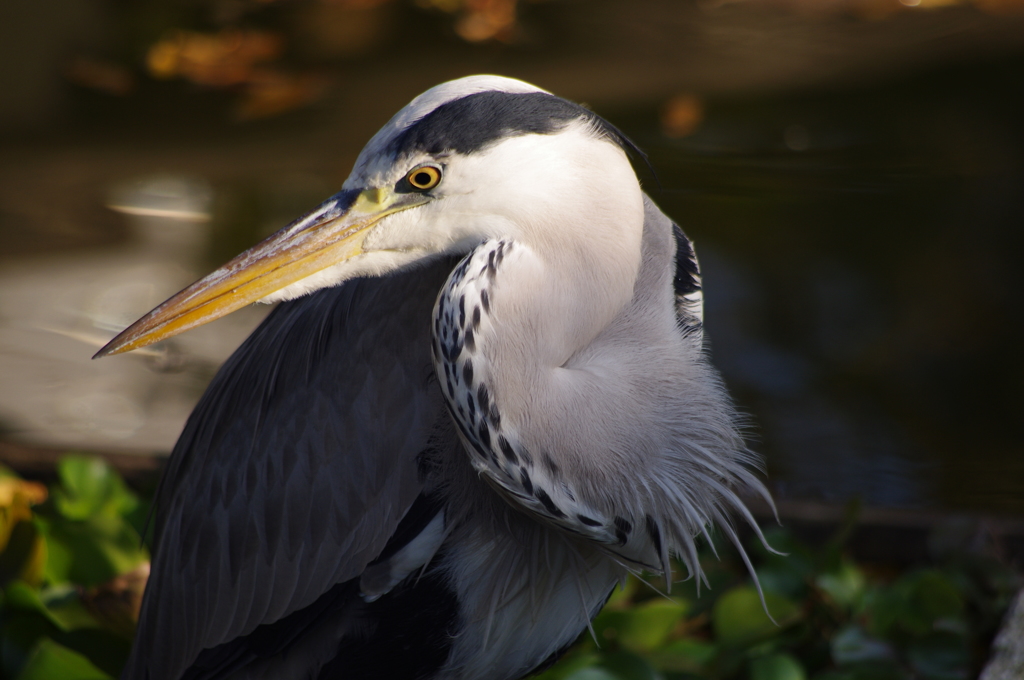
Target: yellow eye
x=424, y=177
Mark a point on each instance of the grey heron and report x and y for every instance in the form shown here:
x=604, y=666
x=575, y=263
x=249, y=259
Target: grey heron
x=483, y=401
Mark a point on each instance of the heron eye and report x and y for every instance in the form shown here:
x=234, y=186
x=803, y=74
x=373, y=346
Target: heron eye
x=424, y=177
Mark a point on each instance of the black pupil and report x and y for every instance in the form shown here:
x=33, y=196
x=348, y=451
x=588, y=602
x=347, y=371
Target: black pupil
x=421, y=179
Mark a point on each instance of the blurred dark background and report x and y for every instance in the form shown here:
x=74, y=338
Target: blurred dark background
x=852, y=172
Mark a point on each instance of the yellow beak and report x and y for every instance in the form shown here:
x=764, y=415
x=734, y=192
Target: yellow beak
x=332, y=233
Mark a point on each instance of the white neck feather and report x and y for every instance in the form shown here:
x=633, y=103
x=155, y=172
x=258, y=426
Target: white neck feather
x=618, y=429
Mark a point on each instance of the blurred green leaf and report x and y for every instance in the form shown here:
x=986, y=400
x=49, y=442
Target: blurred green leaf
x=50, y=661
x=940, y=656
x=852, y=645
x=934, y=596
x=58, y=555
x=797, y=557
x=785, y=581
x=65, y=606
x=881, y=607
x=739, y=619
x=779, y=666
x=23, y=597
x=55, y=614
x=845, y=585
x=628, y=666
x=593, y=674
x=914, y=604
x=622, y=597
x=834, y=675
x=568, y=665
x=21, y=629
x=871, y=670
x=18, y=636
x=104, y=649
x=689, y=655
x=643, y=627
x=89, y=486
x=101, y=548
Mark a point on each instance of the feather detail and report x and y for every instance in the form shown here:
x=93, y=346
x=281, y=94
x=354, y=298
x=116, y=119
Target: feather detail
x=641, y=497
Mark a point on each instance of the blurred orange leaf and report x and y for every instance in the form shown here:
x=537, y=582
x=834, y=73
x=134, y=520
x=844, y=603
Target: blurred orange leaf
x=101, y=75
x=215, y=60
x=681, y=115
x=269, y=93
x=486, y=20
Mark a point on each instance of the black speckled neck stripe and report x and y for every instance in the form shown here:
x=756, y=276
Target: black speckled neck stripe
x=468, y=124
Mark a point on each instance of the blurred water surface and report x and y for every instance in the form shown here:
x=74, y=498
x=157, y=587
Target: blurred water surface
x=853, y=179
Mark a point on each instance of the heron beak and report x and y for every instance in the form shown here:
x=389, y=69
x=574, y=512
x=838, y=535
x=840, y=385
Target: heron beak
x=332, y=233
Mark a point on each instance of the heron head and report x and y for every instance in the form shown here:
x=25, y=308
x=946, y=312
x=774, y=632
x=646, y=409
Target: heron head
x=472, y=159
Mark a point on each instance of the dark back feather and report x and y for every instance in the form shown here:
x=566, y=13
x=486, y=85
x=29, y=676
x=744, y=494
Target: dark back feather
x=295, y=467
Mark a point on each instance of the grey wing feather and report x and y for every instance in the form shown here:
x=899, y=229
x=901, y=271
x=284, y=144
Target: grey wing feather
x=294, y=469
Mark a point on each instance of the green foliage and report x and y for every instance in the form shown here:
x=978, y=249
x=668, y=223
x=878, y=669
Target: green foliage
x=66, y=567
x=739, y=618
x=72, y=570
x=777, y=666
x=830, y=619
x=89, y=488
x=49, y=660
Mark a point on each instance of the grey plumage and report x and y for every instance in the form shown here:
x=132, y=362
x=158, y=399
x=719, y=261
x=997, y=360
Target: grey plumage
x=483, y=414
